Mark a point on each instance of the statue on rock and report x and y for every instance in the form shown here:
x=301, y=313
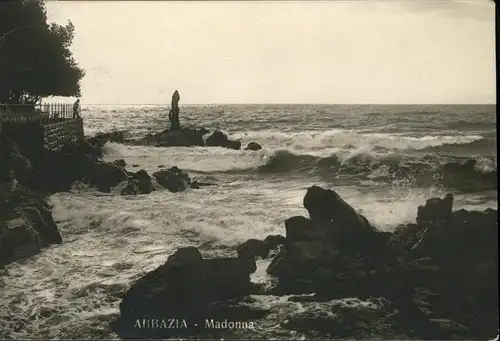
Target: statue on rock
x=173, y=115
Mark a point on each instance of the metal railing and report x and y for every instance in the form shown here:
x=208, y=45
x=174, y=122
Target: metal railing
x=19, y=113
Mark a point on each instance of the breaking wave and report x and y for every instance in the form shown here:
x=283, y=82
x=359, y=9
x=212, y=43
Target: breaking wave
x=322, y=142
x=337, y=154
x=427, y=170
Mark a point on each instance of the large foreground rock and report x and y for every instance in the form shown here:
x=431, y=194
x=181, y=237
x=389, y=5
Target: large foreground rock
x=440, y=274
x=330, y=253
x=186, y=288
x=326, y=205
x=460, y=274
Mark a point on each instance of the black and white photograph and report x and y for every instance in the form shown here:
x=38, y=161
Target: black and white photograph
x=234, y=170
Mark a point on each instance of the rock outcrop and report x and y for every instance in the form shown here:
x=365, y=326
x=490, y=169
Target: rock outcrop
x=181, y=137
x=421, y=268
x=173, y=179
x=435, y=279
x=253, y=146
x=26, y=223
x=139, y=183
x=186, y=288
x=219, y=139
x=185, y=137
x=15, y=165
x=58, y=171
x=103, y=175
x=144, y=182
x=77, y=161
x=188, y=137
x=119, y=163
x=100, y=139
x=255, y=248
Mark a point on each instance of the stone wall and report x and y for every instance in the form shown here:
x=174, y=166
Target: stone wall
x=56, y=135
x=34, y=136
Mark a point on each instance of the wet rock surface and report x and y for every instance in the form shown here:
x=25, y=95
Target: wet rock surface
x=26, y=223
x=253, y=146
x=219, y=139
x=189, y=290
x=419, y=278
x=182, y=137
x=173, y=179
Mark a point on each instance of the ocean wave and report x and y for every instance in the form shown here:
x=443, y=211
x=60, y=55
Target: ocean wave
x=324, y=141
x=482, y=146
x=478, y=173
x=336, y=163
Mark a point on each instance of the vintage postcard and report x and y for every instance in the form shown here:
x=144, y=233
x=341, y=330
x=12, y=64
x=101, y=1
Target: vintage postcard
x=248, y=170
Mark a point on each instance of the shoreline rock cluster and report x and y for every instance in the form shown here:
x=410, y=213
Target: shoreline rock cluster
x=26, y=222
x=26, y=225
x=185, y=137
x=438, y=275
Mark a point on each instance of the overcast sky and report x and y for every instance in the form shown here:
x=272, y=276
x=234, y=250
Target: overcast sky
x=388, y=52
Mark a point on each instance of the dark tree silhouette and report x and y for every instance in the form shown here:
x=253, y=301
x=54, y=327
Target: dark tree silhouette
x=35, y=56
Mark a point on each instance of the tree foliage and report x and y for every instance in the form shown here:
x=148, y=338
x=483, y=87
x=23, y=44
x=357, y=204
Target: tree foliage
x=35, y=56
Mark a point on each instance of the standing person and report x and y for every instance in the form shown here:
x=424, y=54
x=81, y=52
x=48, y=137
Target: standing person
x=76, y=109
x=173, y=114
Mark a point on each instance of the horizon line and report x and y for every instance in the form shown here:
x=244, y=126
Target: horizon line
x=277, y=103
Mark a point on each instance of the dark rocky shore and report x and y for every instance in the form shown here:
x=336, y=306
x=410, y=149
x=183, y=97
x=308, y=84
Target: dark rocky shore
x=437, y=277
x=26, y=223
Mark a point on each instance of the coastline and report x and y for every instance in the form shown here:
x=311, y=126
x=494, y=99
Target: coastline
x=243, y=266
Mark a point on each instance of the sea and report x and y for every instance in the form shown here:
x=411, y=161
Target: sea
x=384, y=160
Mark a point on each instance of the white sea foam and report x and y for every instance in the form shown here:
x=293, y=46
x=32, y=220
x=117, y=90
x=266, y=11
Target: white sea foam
x=109, y=241
x=200, y=159
x=327, y=142
x=73, y=290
